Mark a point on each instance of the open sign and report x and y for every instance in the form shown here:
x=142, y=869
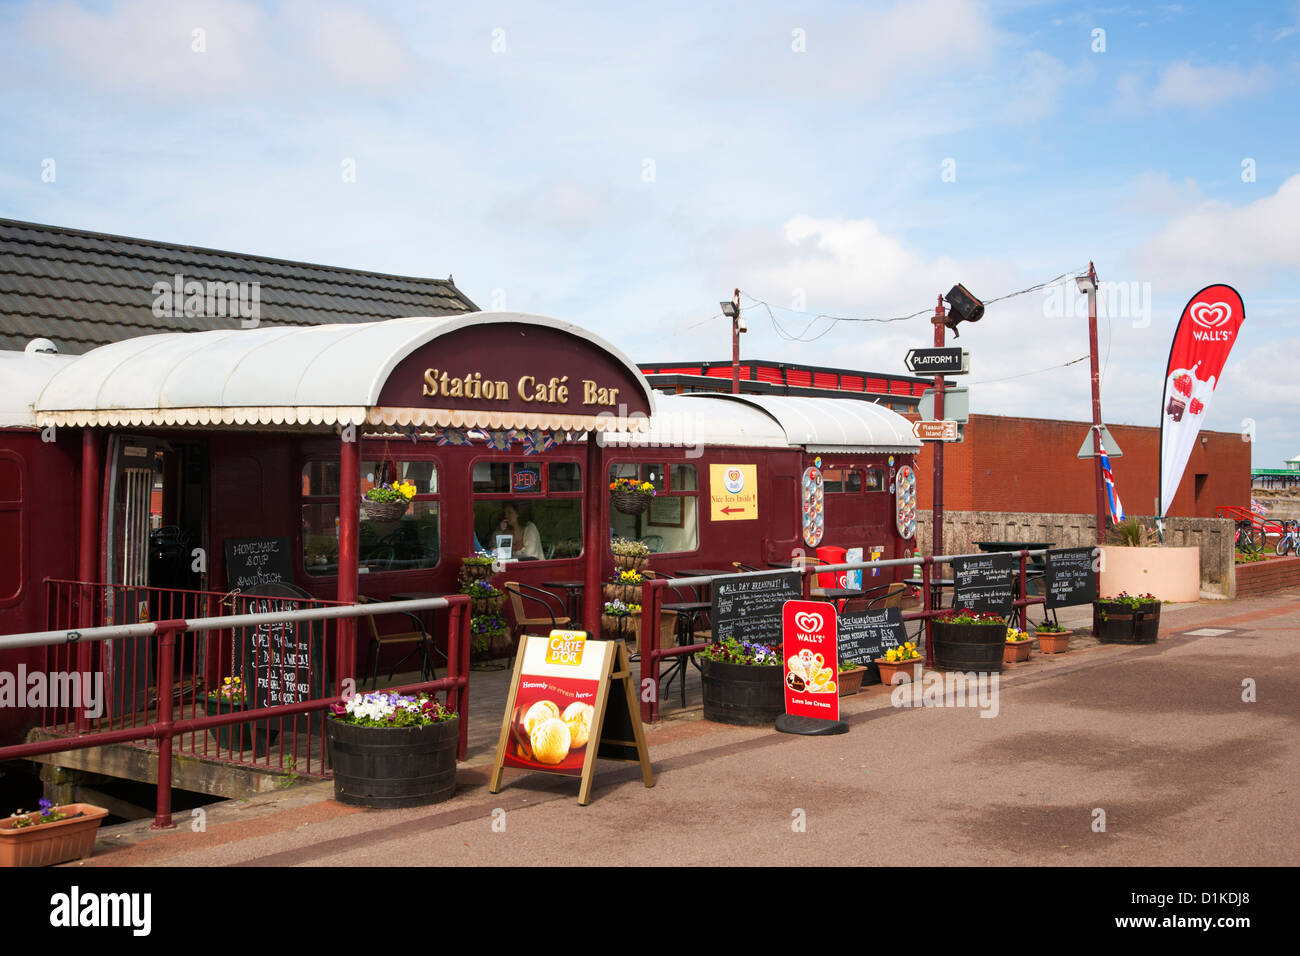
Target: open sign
x=527, y=481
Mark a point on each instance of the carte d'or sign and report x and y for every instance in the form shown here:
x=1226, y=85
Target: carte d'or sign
x=512, y=365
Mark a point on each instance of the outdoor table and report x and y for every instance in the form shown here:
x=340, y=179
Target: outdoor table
x=686, y=612
x=572, y=596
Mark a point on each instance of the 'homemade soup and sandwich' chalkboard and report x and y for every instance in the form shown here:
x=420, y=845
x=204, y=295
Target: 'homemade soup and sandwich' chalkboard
x=985, y=582
x=1070, y=578
x=748, y=606
x=251, y=562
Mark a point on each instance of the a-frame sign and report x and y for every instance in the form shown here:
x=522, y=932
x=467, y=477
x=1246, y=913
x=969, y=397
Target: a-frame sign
x=567, y=693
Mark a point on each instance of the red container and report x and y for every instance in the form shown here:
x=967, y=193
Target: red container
x=831, y=555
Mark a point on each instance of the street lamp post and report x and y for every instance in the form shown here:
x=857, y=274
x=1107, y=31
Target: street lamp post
x=1088, y=285
x=732, y=311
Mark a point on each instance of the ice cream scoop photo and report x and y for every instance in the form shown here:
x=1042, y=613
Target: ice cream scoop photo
x=551, y=740
x=579, y=716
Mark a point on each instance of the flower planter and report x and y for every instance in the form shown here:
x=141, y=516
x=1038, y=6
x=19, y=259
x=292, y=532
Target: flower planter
x=492, y=657
x=1014, y=652
x=745, y=694
x=627, y=593
x=969, y=647
x=384, y=510
x=469, y=573
x=912, y=669
x=630, y=502
x=621, y=627
x=51, y=843
x=392, y=767
x=259, y=734
x=627, y=562
x=1117, y=623
x=1053, y=642
x=851, y=681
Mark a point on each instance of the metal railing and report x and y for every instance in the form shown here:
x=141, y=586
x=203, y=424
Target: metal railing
x=165, y=729
x=652, y=600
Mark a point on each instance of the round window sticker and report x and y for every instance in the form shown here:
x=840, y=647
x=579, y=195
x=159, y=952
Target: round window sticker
x=891, y=461
x=733, y=480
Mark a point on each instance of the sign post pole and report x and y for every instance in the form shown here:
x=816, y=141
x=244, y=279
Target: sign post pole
x=1091, y=289
x=939, y=329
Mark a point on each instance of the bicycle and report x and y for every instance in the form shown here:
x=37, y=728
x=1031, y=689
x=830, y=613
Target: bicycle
x=1244, y=538
x=1290, y=540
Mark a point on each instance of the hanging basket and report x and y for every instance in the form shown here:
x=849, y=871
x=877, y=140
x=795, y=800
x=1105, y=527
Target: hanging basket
x=627, y=593
x=627, y=562
x=384, y=510
x=630, y=502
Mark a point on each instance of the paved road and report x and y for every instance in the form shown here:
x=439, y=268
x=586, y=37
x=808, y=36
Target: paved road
x=1158, y=738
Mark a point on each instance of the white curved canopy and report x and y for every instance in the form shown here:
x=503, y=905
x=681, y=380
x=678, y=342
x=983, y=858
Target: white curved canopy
x=22, y=376
x=832, y=425
x=684, y=421
x=313, y=375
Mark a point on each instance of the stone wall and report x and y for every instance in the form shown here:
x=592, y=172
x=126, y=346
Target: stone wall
x=961, y=529
x=1266, y=577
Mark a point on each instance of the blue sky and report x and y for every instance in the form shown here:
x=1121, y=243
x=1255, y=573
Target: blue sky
x=624, y=167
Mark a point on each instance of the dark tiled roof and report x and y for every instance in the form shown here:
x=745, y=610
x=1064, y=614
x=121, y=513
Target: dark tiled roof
x=83, y=289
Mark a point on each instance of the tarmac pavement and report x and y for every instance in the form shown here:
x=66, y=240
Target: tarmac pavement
x=1104, y=756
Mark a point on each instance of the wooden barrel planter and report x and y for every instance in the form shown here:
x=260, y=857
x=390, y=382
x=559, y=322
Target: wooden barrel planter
x=392, y=767
x=260, y=734
x=969, y=647
x=1121, y=624
x=746, y=694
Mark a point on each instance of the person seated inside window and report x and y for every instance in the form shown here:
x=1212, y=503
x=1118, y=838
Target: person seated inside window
x=527, y=540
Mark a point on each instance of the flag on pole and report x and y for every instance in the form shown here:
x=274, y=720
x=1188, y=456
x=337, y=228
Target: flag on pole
x=1116, y=509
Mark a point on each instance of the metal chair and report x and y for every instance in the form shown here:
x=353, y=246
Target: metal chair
x=426, y=647
x=519, y=593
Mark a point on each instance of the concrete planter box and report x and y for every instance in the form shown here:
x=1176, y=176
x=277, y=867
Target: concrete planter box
x=1171, y=574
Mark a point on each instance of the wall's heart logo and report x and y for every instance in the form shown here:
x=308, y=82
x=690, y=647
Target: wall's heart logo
x=808, y=622
x=1211, y=315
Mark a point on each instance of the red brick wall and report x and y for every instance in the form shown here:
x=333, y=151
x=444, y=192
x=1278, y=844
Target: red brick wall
x=1029, y=465
x=1267, y=577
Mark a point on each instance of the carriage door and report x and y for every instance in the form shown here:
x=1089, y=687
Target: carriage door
x=134, y=497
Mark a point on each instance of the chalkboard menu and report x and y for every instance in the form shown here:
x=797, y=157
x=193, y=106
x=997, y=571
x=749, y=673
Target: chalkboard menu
x=985, y=582
x=866, y=635
x=748, y=606
x=251, y=562
x=1070, y=578
x=282, y=663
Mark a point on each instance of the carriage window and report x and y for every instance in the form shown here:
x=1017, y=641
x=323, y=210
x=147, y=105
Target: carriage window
x=840, y=480
x=670, y=523
x=875, y=479
x=540, y=509
x=386, y=542
x=565, y=476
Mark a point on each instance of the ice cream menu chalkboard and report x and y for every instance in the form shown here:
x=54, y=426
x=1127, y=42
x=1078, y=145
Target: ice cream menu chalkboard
x=1070, y=578
x=866, y=635
x=984, y=582
x=748, y=606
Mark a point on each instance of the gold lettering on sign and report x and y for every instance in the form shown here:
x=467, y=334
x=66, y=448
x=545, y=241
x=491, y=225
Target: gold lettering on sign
x=554, y=391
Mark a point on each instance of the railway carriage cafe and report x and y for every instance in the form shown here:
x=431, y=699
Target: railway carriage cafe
x=147, y=451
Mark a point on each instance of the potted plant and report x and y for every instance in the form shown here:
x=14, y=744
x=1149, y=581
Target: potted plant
x=966, y=640
x=232, y=695
x=850, y=678
x=1125, y=619
x=392, y=750
x=388, y=502
x=1052, y=638
x=742, y=682
x=1017, y=647
x=484, y=595
x=620, y=621
x=489, y=637
x=53, y=835
x=631, y=496
x=624, y=586
x=630, y=555
x=476, y=567
x=904, y=659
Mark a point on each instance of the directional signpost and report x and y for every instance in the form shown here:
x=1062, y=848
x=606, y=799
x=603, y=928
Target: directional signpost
x=944, y=361
x=936, y=431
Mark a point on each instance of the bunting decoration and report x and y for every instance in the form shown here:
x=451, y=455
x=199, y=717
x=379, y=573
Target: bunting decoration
x=498, y=439
x=536, y=440
x=451, y=436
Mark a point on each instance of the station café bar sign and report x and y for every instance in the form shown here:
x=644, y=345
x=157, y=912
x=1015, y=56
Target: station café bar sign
x=499, y=366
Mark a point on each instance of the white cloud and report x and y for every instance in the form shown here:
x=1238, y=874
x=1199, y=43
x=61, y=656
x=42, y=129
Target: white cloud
x=1182, y=84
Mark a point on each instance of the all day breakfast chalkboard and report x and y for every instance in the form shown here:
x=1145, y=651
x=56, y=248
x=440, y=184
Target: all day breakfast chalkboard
x=985, y=582
x=748, y=606
x=866, y=635
x=251, y=562
x=1070, y=579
